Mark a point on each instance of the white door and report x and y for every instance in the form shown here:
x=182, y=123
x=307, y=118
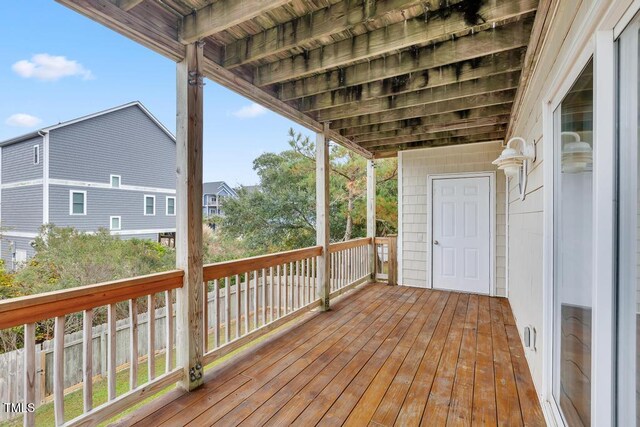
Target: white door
x=461, y=236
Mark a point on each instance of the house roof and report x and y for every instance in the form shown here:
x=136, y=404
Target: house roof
x=87, y=117
x=216, y=187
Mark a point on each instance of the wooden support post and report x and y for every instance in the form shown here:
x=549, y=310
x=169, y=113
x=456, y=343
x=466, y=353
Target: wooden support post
x=189, y=317
x=322, y=216
x=29, y=373
x=392, y=277
x=371, y=215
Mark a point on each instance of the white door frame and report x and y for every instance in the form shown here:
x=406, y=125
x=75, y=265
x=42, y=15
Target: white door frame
x=492, y=222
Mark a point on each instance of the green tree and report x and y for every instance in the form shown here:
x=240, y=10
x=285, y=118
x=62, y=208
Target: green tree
x=281, y=214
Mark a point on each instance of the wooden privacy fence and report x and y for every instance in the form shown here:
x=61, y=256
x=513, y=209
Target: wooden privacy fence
x=246, y=298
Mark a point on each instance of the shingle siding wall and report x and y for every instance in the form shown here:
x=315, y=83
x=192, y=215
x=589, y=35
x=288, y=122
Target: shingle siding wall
x=416, y=165
x=22, y=208
x=103, y=203
x=17, y=161
x=124, y=142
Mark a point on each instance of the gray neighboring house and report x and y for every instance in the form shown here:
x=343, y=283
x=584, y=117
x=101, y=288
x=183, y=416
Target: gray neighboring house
x=114, y=169
x=213, y=195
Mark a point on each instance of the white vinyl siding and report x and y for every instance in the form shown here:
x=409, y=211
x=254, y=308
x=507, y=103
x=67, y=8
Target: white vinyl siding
x=171, y=206
x=77, y=202
x=149, y=205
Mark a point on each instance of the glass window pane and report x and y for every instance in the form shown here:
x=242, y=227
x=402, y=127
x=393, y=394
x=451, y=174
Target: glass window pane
x=171, y=206
x=573, y=249
x=628, y=397
x=115, y=181
x=149, y=205
x=78, y=203
x=115, y=223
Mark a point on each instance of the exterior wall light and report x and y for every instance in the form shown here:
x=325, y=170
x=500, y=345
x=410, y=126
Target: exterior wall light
x=577, y=155
x=515, y=161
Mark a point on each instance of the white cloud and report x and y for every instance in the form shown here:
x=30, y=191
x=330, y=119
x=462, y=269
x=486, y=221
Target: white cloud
x=250, y=111
x=22, y=120
x=50, y=68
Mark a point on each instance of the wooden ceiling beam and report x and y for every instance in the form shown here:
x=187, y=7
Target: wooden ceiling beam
x=221, y=15
x=481, y=66
x=399, y=36
x=127, y=5
x=481, y=86
x=453, y=118
x=457, y=125
x=501, y=128
x=485, y=43
x=334, y=19
x=488, y=137
x=435, y=108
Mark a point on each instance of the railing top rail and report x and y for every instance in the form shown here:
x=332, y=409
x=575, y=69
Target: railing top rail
x=33, y=308
x=230, y=268
x=353, y=243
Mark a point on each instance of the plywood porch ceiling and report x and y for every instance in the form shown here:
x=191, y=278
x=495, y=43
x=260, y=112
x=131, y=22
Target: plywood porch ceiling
x=387, y=75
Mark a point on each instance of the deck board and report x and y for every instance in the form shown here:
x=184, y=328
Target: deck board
x=382, y=356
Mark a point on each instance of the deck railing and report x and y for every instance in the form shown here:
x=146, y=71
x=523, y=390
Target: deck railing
x=82, y=303
x=246, y=298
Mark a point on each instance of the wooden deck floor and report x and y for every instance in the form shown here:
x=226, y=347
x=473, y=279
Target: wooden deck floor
x=383, y=356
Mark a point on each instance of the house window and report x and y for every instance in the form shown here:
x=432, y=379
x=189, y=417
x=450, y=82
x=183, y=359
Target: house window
x=115, y=181
x=149, y=205
x=36, y=154
x=77, y=202
x=573, y=250
x=171, y=206
x=114, y=223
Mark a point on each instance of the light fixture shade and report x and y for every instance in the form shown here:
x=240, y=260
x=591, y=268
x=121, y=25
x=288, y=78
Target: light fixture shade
x=577, y=155
x=509, y=161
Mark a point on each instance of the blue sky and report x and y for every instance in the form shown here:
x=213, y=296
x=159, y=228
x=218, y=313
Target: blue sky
x=101, y=69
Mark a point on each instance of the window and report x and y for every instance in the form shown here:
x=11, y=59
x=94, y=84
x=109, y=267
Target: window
x=573, y=250
x=115, y=181
x=149, y=205
x=36, y=154
x=77, y=202
x=171, y=206
x=114, y=223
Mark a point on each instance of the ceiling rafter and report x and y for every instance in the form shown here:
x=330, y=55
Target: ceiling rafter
x=400, y=36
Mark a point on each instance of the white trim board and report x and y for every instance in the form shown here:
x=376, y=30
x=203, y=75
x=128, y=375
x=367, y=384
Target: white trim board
x=107, y=185
x=492, y=225
x=45, y=178
x=23, y=234
x=400, y=220
x=18, y=184
x=147, y=231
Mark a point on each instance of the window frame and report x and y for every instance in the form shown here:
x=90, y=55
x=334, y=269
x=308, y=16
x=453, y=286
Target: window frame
x=36, y=154
x=84, y=204
x=144, y=205
x=167, y=205
x=119, y=180
x=111, y=218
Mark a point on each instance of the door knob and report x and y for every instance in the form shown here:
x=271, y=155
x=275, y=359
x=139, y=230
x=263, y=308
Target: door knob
x=435, y=242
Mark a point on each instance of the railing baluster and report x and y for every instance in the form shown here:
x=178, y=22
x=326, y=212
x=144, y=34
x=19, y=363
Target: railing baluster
x=255, y=299
x=216, y=296
x=87, y=359
x=303, y=278
x=29, y=372
x=238, y=306
x=205, y=315
x=151, y=340
x=264, y=296
x=133, y=343
x=278, y=292
x=169, y=344
x=227, y=310
x=247, y=305
x=58, y=370
x=271, y=293
x=111, y=363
